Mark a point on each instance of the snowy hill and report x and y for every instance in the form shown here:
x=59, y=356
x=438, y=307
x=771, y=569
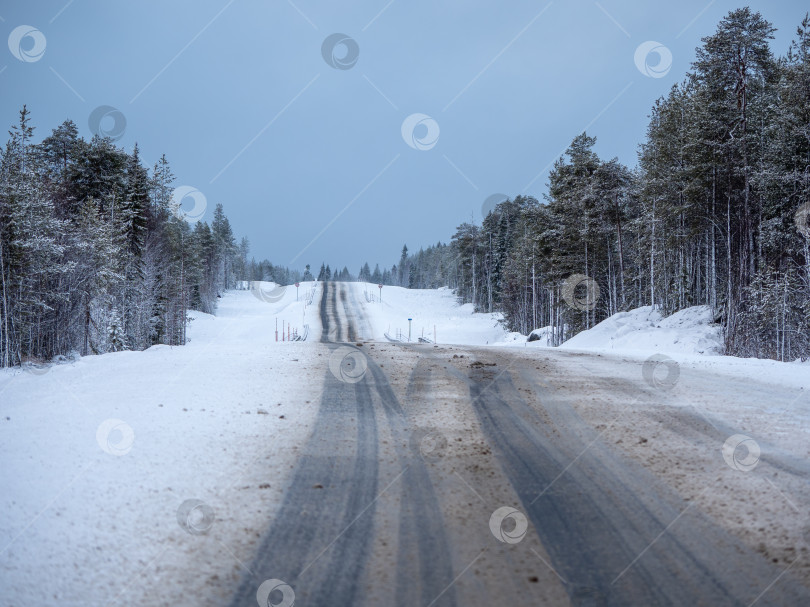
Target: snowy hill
x=430, y=309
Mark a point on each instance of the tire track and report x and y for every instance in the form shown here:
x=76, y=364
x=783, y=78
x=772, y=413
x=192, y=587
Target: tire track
x=424, y=570
x=330, y=499
x=613, y=535
x=320, y=540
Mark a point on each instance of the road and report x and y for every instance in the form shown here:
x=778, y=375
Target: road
x=394, y=499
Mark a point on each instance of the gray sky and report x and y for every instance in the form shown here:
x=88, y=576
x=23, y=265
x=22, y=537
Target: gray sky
x=309, y=160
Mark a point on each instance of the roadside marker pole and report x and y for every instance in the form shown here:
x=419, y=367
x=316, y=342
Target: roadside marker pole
x=276, y=328
x=409, y=327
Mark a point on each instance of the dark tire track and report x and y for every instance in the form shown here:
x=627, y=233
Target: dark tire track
x=425, y=569
x=320, y=540
x=296, y=548
x=598, y=516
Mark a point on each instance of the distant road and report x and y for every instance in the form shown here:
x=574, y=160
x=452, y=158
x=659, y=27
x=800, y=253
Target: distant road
x=441, y=476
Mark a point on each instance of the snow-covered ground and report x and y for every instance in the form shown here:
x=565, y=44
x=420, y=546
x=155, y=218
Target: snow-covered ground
x=688, y=331
x=101, y=457
x=688, y=337
x=435, y=312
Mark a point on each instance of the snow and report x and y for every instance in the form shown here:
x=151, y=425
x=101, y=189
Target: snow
x=688, y=336
x=688, y=331
x=430, y=309
x=101, y=453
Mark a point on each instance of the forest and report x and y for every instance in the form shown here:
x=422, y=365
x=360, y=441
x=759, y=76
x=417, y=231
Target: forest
x=715, y=213
x=94, y=255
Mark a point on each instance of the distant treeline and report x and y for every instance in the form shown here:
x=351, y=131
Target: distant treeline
x=716, y=212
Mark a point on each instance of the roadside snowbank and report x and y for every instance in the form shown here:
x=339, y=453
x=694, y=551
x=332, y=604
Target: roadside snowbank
x=101, y=456
x=688, y=331
x=688, y=337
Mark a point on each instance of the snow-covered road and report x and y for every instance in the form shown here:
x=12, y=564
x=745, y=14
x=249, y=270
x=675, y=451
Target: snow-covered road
x=354, y=471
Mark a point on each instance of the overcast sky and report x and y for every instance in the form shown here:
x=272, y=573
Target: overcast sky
x=316, y=162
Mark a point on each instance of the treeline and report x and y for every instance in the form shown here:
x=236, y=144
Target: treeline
x=366, y=274
x=715, y=213
x=94, y=256
x=264, y=270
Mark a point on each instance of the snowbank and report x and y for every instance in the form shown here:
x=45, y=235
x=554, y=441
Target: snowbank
x=103, y=456
x=688, y=337
x=688, y=331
